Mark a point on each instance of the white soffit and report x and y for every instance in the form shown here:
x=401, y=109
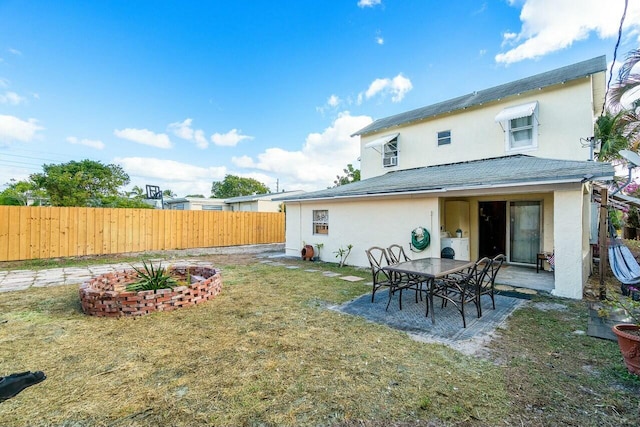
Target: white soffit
x=516, y=112
x=379, y=142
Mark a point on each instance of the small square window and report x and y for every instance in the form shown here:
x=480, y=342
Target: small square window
x=444, y=137
x=320, y=222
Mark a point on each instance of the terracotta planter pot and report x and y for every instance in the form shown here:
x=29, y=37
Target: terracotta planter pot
x=307, y=253
x=629, y=346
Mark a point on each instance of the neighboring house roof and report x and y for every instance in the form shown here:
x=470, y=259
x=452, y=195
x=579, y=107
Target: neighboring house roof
x=553, y=77
x=505, y=171
x=267, y=196
x=194, y=199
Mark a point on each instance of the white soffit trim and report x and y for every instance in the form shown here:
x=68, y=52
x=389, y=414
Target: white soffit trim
x=516, y=112
x=381, y=141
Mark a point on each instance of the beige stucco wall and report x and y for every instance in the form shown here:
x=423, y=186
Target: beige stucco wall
x=565, y=114
x=568, y=243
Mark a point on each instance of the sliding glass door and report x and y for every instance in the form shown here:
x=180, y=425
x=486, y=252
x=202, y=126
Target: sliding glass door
x=524, y=231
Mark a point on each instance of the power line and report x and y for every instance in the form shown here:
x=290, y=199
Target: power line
x=615, y=54
x=27, y=157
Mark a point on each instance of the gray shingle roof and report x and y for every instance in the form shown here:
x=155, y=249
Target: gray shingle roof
x=265, y=196
x=499, y=172
x=549, y=78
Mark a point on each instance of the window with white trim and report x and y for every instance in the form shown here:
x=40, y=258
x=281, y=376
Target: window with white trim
x=521, y=129
x=321, y=221
x=390, y=154
x=444, y=137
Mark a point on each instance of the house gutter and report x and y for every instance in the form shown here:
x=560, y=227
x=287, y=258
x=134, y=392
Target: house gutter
x=444, y=190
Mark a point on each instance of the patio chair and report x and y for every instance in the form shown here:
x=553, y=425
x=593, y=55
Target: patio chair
x=462, y=289
x=397, y=255
x=378, y=258
x=486, y=287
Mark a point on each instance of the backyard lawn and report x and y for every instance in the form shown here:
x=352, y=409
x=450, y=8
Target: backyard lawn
x=269, y=351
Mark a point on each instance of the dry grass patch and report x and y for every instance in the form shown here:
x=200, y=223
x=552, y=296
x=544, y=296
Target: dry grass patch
x=266, y=351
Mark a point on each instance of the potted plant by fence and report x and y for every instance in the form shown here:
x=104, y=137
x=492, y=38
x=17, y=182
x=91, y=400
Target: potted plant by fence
x=628, y=334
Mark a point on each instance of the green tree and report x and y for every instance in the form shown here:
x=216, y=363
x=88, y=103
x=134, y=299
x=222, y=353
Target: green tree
x=234, y=186
x=623, y=100
x=609, y=130
x=350, y=175
x=84, y=183
x=123, y=202
x=169, y=193
x=136, y=193
x=22, y=193
x=194, y=195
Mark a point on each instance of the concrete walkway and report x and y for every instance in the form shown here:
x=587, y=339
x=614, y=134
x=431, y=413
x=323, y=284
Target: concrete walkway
x=18, y=280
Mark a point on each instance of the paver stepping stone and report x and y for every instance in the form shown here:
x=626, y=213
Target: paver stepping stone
x=352, y=278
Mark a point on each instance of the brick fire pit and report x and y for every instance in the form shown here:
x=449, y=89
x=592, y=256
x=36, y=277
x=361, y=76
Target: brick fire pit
x=105, y=295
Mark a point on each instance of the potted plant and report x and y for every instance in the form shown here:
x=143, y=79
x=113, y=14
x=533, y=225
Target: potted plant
x=628, y=334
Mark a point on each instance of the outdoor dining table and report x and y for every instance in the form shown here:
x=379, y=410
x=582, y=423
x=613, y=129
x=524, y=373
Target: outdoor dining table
x=431, y=269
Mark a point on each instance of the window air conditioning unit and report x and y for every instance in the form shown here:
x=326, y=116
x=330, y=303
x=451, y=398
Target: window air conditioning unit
x=390, y=161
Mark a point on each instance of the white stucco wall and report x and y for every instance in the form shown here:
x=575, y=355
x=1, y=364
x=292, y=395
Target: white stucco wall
x=568, y=243
x=379, y=222
x=565, y=114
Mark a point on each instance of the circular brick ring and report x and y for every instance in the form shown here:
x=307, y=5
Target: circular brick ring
x=105, y=295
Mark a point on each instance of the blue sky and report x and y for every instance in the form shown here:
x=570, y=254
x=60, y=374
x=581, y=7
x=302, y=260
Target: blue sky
x=181, y=93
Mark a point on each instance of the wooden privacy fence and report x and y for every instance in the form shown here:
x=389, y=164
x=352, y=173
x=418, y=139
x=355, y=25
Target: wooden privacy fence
x=51, y=232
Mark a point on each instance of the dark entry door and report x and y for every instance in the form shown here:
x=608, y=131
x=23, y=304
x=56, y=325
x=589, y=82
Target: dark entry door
x=492, y=224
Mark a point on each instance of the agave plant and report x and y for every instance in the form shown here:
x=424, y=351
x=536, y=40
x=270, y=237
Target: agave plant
x=152, y=278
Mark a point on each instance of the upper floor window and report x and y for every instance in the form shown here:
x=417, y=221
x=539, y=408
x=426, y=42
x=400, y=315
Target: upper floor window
x=390, y=154
x=521, y=132
x=321, y=221
x=520, y=125
x=444, y=137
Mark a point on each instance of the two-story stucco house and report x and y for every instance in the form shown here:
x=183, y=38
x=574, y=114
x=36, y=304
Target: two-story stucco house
x=503, y=167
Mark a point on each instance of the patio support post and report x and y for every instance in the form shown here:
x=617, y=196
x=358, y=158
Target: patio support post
x=602, y=240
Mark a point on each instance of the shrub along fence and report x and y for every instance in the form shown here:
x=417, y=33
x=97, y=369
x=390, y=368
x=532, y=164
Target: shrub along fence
x=51, y=232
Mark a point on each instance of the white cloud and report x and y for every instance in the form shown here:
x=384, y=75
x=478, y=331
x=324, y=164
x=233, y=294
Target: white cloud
x=229, y=139
x=11, y=98
x=4, y=83
x=13, y=128
x=379, y=40
x=317, y=163
x=184, y=130
x=144, y=136
x=333, y=101
x=15, y=52
x=368, y=3
x=397, y=87
x=181, y=178
x=93, y=143
x=552, y=25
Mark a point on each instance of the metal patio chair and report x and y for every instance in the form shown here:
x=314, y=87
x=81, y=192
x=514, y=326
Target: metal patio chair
x=378, y=259
x=462, y=289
